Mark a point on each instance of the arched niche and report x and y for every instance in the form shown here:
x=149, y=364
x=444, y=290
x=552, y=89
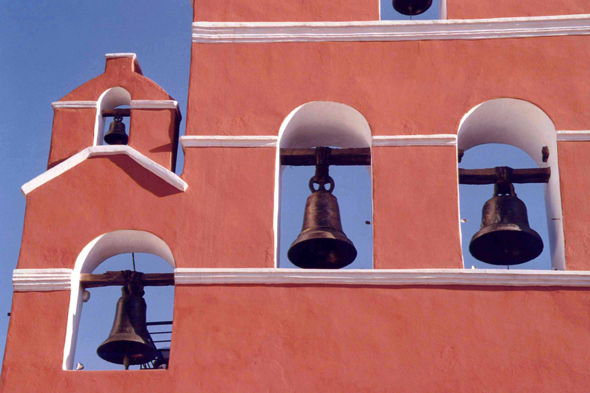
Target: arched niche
x=523, y=125
x=92, y=255
x=109, y=99
x=318, y=123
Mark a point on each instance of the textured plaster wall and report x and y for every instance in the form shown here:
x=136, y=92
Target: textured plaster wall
x=418, y=87
x=330, y=339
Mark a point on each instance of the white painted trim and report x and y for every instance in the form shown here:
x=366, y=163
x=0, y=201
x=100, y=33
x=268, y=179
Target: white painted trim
x=152, y=166
x=74, y=104
x=134, y=104
x=228, y=141
x=579, y=135
x=416, y=140
x=271, y=141
x=27, y=280
x=383, y=277
x=154, y=104
x=116, y=55
x=464, y=29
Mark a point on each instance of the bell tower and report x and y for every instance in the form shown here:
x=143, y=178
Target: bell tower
x=323, y=84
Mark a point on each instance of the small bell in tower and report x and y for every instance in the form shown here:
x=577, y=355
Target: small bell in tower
x=116, y=134
x=412, y=7
x=505, y=237
x=322, y=244
x=129, y=342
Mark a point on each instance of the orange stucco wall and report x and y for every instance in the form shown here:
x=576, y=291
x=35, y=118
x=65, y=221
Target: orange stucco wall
x=574, y=161
x=330, y=339
x=295, y=11
x=466, y=9
x=415, y=208
x=418, y=87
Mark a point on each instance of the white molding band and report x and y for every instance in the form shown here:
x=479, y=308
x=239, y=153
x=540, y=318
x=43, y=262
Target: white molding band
x=383, y=277
x=415, y=140
x=271, y=141
x=463, y=29
x=152, y=166
x=568, y=136
x=154, y=104
x=74, y=104
x=228, y=141
x=25, y=280
x=135, y=104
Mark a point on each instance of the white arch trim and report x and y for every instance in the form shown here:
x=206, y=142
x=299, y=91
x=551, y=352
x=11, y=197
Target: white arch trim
x=92, y=255
x=152, y=166
x=317, y=123
x=524, y=125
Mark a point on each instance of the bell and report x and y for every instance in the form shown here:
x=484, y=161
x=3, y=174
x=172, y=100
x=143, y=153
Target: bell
x=116, y=134
x=129, y=342
x=411, y=7
x=322, y=244
x=505, y=237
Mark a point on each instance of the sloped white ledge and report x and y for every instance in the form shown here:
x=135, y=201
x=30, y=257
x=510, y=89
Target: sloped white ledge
x=60, y=279
x=194, y=276
x=25, y=280
x=93, y=151
x=450, y=29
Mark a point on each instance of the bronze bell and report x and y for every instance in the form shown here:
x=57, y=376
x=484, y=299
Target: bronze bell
x=505, y=237
x=412, y=7
x=322, y=244
x=116, y=134
x=129, y=342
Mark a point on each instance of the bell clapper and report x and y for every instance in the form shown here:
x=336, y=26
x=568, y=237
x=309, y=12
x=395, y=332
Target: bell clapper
x=126, y=362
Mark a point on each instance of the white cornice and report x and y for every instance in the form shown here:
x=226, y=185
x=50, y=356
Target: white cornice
x=154, y=104
x=271, y=141
x=567, y=136
x=228, y=141
x=415, y=140
x=451, y=29
x=25, y=280
x=152, y=166
x=135, y=104
x=60, y=279
x=534, y=278
x=74, y=104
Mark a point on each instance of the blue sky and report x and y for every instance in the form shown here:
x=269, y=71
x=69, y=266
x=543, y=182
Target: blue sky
x=49, y=48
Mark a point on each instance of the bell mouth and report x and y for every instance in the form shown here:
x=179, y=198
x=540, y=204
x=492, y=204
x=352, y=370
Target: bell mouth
x=322, y=249
x=506, y=244
x=137, y=352
x=412, y=7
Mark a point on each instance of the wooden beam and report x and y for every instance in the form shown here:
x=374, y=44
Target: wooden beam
x=306, y=157
x=490, y=176
x=117, y=279
x=116, y=112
